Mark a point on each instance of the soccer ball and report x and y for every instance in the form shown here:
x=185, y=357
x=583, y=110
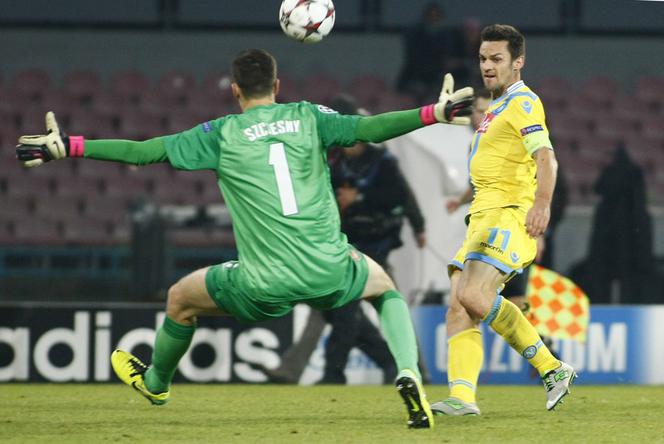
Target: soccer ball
x=306, y=21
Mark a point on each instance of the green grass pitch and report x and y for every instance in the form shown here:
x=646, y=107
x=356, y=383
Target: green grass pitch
x=34, y=413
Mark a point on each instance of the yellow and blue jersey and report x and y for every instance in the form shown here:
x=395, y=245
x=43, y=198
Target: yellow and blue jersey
x=501, y=164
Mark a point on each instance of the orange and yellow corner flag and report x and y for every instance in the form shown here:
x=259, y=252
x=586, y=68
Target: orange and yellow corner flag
x=558, y=307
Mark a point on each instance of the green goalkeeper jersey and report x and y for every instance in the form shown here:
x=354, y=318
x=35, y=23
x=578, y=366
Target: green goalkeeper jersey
x=271, y=166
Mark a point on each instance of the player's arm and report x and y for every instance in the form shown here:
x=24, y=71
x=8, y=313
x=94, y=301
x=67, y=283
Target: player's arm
x=529, y=123
x=33, y=151
x=538, y=216
x=454, y=203
x=452, y=107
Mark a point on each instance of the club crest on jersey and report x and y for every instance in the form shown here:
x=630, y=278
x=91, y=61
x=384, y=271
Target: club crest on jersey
x=484, y=126
x=527, y=106
x=207, y=127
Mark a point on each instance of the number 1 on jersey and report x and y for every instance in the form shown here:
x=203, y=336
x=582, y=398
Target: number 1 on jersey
x=284, y=182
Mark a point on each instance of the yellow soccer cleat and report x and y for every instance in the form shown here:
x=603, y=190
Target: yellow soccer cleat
x=412, y=392
x=131, y=370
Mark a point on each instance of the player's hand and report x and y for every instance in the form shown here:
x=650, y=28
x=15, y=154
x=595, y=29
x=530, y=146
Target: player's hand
x=537, y=218
x=452, y=205
x=453, y=106
x=35, y=150
x=346, y=196
x=421, y=239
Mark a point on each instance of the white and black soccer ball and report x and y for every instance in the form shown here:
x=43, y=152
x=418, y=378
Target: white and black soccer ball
x=306, y=21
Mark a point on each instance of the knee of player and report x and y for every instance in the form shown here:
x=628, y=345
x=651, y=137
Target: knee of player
x=473, y=299
x=455, y=311
x=176, y=303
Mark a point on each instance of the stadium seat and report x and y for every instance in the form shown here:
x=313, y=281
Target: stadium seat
x=217, y=88
x=652, y=127
x=98, y=169
x=391, y=101
x=90, y=123
x=82, y=187
x=601, y=90
x=650, y=90
x=180, y=120
x=60, y=208
x=106, y=209
x=89, y=232
x=289, y=89
x=201, y=237
x=129, y=87
x=30, y=85
x=176, y=88
x=82, y=87
x=367, y=90
x=625, y=107
x=554, y=90
x=319, y=88
x=14, y=208
x=137, y=125
x=29, y=187
x=614, y=127
x=35, y=231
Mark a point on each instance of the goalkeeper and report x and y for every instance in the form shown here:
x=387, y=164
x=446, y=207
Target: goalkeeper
x=270, y=163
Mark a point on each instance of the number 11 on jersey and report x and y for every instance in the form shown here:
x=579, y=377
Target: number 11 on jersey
x=284, y=182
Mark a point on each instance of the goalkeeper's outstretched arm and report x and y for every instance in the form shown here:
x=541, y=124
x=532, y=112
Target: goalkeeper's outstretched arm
x=452, y=107
x=55, y=144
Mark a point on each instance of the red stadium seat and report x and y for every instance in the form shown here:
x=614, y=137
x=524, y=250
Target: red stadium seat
x=87, y=232
x=181, y=120
x=176, y=88
x=601, y=90
x=90, y=124
x=319, y=88
x=107, y=209
x=34, y=231
x=61, y=208
x=614, y=127
x=81, y=187
x=129, y=86
x=554, y=90
x=82, y=86
x=367, y=90
x=14, y=208
x=30, y=85
x=216, y=87
x=652, y=127
x=650, y=90
x=390, y=101
x=136, y=125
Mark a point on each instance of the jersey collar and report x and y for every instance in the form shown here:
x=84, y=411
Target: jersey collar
x=512, y=89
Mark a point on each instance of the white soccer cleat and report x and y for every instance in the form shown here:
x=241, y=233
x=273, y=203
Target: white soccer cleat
x=557, y=384
x=455, y=407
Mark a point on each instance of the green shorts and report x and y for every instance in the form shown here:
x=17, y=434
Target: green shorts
x=232, y=293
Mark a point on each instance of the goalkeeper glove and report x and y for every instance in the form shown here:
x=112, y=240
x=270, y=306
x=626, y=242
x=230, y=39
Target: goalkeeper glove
x=33, y=151
x=452, y=107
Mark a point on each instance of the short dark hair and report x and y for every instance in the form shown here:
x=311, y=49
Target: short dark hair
x=516, y=42
x=254, y=71
x=482, y=93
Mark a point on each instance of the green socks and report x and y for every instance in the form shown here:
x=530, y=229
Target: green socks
x=171, y=344
x=397, y=328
